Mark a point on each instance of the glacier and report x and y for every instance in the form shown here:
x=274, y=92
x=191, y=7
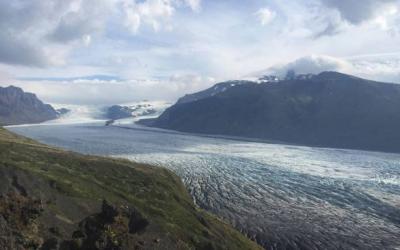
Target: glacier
x=282, y=196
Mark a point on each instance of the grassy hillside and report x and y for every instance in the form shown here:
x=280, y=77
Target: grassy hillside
x=53, y=199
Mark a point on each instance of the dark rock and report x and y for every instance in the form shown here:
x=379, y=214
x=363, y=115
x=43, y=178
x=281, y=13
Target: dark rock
x=69, y=245
x=50, y=244
x=108, y=212
x=137, y=223
x=110, y=229
x=55, y=231
x=19, y=188
x=18, y=107
x=78, y=234
x=18, y=222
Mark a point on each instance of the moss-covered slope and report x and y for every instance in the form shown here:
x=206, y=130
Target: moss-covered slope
x=53, y=199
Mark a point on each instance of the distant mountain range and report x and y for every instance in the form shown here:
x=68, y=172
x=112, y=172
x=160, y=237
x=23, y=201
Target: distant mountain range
x=329, y=109
x=116, y=112
x=19, y=107
x=82, y=78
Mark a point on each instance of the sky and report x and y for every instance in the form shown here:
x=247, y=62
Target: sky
x=117, y=51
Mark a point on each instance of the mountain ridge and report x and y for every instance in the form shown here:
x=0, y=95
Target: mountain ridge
x=330, y=109
x=19, y=107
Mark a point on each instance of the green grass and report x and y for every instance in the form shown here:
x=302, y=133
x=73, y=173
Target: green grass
x=156, y=192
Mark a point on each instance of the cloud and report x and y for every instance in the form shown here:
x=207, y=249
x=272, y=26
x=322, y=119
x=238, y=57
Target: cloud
x=356, y=11
x=44, y=33
x=330, y=30
x=379, y=67
x=150, y=12
x=18, y=43
x=82, y=20
x=25, y=26
x=313, y=64
x=153, y=13
x=4, y=76
x=96, y=91
x=265, y=16
x=14, y=50
x=194, y=4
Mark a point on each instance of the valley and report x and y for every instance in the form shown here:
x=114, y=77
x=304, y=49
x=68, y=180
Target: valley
x=282, y=196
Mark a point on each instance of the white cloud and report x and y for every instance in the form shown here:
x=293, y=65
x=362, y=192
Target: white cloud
x=27, y=26
x=265, y=16
x=19, y=43
x=153, y=13
x=194, y=4
x=313, y=64
x=379, y=67
x=101, y=92
x=81, y=20
x=356, y=11
x=87, y=39
x=43, y=33
x=5, y=77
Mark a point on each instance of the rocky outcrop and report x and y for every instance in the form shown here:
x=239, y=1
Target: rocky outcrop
x=19, y=107
x=19, y=227
x=113, y=228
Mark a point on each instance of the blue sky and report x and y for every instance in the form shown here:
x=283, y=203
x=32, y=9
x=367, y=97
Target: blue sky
x=163, y=49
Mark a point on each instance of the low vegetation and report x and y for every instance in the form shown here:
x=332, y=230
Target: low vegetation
x=54, y=199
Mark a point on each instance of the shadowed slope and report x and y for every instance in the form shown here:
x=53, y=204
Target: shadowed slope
x=330, y=109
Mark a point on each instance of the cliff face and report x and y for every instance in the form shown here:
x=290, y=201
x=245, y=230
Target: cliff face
x=329, y=109
x=18, y=107
x=53, y=199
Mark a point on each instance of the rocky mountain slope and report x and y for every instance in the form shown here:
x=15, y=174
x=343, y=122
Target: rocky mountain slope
x=18, y=107
x=216, y=89
x=53, y=199
x=330, y=109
